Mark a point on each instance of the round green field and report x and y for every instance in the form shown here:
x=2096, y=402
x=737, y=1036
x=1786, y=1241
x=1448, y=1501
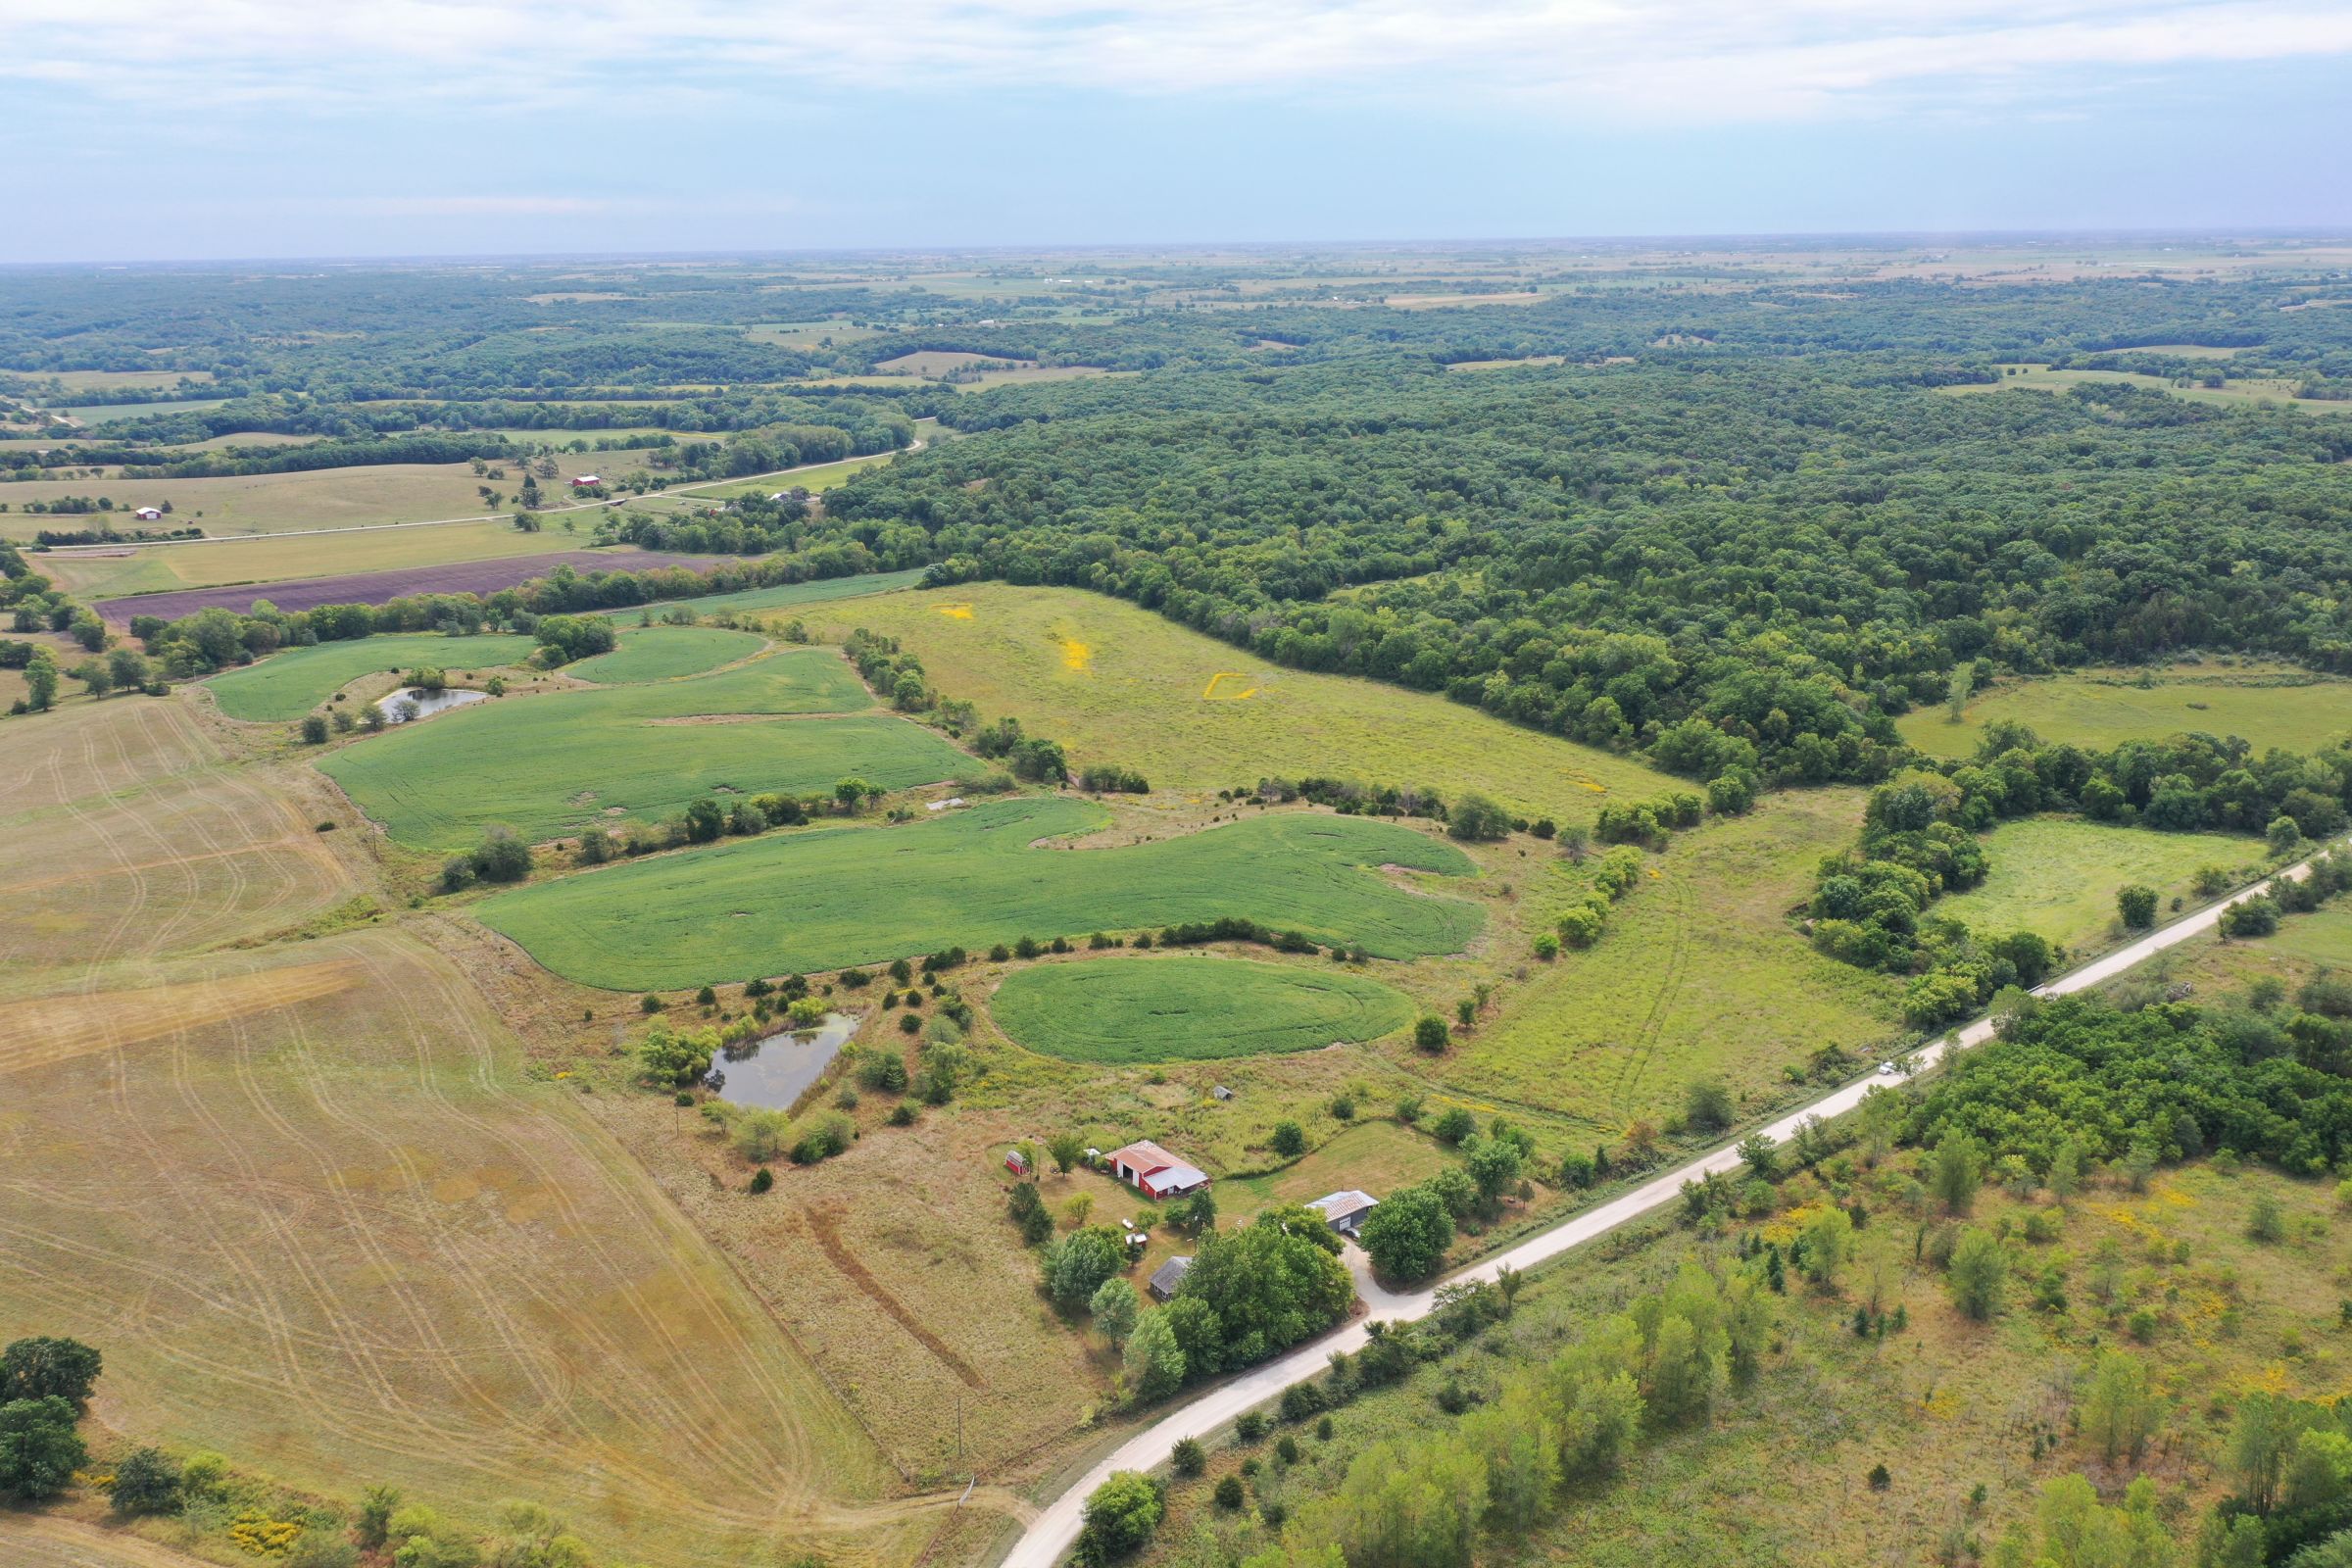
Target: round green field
x=666, y=653
x=1191, y=1009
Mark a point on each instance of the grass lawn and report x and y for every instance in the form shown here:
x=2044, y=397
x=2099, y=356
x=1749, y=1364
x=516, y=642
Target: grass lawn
x=781, y=596
x=269, y=558
x=809, y=902
x=1116, y=683
x=1191, y=1009
x=666, y=653
x=2056, y=876
x=2263, y=704
x=1375, y=1157
x=289, y=684
x=1698, y=974
x=552, y=765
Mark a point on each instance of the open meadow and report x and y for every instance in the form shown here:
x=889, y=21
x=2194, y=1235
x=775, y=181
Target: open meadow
x=1119, y=685
x=831, y=896
x=2270, y=392
x=1698, y=974
x=552, y=765
x=1191, y=1009
x=2057, y=876
x=2263, y=704
x=783, y=596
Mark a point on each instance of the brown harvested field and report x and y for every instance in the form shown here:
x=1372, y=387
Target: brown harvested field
x=377, y=587
x=321, y=1215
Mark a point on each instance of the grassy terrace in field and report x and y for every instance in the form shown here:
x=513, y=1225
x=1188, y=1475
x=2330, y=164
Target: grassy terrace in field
x=1114, y=682
x=781, y=596
x=550, y=765
x=822, y=899
x=2056, y=876
x=289, y=684
x=2263, y=704
x=1190, y=1008
x=666, y=653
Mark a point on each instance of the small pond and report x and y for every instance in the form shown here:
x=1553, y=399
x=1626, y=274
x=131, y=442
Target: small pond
x=777, y=1069
x=427, y=702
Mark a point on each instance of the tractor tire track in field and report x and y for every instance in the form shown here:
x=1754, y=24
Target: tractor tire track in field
x=1643, y=1045
x=823, y=1225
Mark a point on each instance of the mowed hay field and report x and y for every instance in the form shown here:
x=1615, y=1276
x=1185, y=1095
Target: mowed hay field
x=273, y=503
x=1115, y=683
x=666, y=653
x=288, y=684
x=555, y=764
x=822, y=899
x=314, y=1219
x=318, y=1214
x=267, y=559
x=125, y=832
x=1188, y=1008
x=2263, y=704
x=2057, y=876
x=1698, y=974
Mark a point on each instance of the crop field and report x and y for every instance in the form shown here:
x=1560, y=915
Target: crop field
x=390, y=1258
x=666, y=653
x=1698, y=974
x=819, y=901
x=380, y=587
x=818, y=476
x=1191, y=1009
x=781, y=596
x=289, y=684
x=275, y=557
x=1147, y=694
x=2263, y=705
x=273, y=503
x=549, y=767
x=319, y=1215
x=2056, y=876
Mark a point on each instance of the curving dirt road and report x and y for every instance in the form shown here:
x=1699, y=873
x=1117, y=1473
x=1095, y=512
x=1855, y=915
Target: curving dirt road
x=1056, y=1525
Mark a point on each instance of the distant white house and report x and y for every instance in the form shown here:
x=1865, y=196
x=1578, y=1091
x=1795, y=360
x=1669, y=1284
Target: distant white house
x=1345, y=1211
x=1154, y=1172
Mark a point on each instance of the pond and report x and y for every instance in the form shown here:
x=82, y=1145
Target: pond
x=776, y=1069
x=427, y=702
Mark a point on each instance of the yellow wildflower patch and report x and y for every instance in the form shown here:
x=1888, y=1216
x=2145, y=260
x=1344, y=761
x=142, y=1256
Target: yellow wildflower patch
x=955, y=612
x=255, y=1531
x=1211, y=694
x=1075, y=655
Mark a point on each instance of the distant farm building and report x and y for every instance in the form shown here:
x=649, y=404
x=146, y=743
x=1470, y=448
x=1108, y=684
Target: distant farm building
x=587, y=479
x=148, y=514
x=1154, y=1172
x=1016, y=1163
x=1345, y=1211
x=1165, y=1278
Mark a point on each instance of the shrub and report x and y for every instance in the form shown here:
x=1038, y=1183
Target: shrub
x=1187, y=1458
x=1431, y=1033
x=763, y=1179
x=1228, y=1491
x=313, y=730
x=1249, y=1426
x=147, y=1480
x=1290, y=1140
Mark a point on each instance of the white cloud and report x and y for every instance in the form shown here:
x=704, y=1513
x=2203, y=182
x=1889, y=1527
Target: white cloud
x=1697, y=60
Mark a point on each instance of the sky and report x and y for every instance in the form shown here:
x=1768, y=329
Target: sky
x=147, y=131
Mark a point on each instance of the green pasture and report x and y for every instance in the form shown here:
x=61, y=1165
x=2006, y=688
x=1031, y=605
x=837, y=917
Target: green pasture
x=2263, y=705
x=668, y=652
x=553, y=766
x=1190, y=1007
x=807, y=902
x=289, y=684
x=781, y=596
x=2056, y=876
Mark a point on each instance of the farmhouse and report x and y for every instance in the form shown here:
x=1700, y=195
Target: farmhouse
x=1165, y=1278
x=1156, y=1172
x=1345, y=1211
